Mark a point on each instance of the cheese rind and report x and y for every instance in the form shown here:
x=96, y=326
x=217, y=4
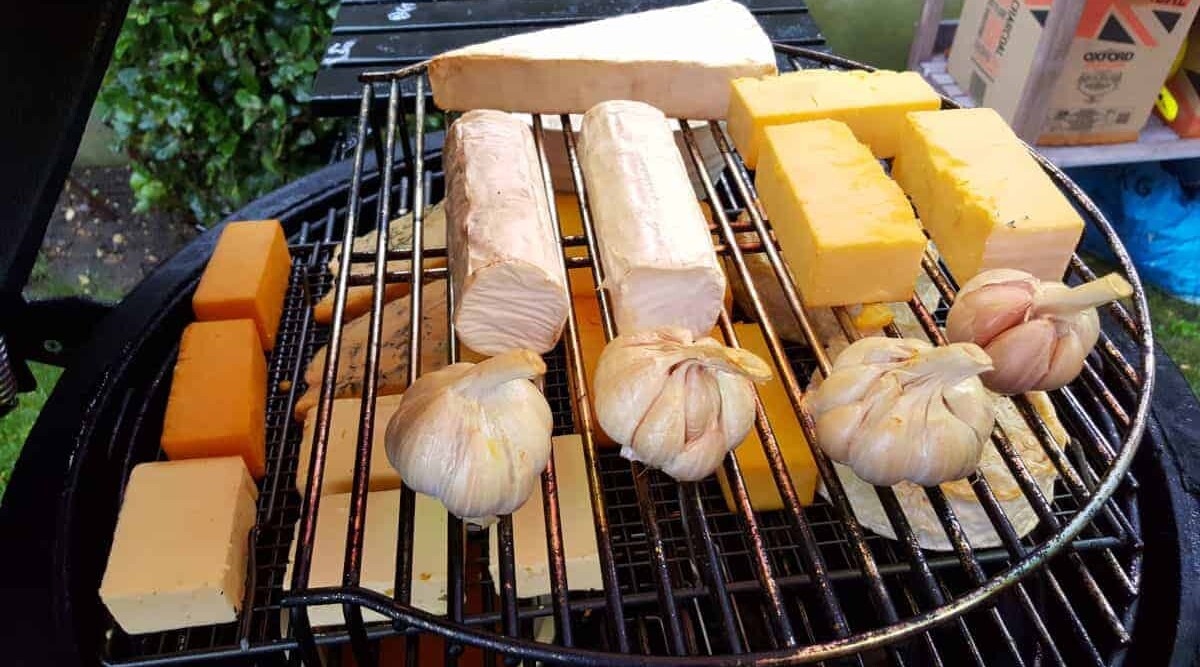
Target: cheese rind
x=679, y=59
x=578, y=529
x=507, y=269
x=378, y=570
x=846, y=229
x=752, y=460
x=982, y=197
x=179, y=552
x=658, y=257
x=342, y=449
x=218, y=395
x=246, y=277
x=872, y=104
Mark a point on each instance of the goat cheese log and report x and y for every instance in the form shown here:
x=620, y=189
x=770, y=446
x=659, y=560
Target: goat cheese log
x=680, y=59
x=659, y=262
x=506, y=265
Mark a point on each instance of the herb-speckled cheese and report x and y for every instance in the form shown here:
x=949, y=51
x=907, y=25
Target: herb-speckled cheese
x=985, y=201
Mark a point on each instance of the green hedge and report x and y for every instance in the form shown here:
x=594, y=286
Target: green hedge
x=208, y=99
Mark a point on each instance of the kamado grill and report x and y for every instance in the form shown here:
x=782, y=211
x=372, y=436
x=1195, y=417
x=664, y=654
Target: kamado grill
x=1107, y=578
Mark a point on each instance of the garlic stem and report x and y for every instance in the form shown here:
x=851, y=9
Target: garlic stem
x=731, y=360
x=490, y=373
x=949, y=364
x=1088, y=295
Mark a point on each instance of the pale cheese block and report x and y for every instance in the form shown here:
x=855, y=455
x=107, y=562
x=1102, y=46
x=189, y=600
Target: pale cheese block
x=179, y=554
x=660, y=266
x=379, y=553
x=507, y=265
x=560, y=166
x=982, y=197
x=578, y=529
x=680, y=59
x=342, y=449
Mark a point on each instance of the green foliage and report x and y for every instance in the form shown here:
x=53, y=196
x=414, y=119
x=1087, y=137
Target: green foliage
x=14, y=427
x=208, y=99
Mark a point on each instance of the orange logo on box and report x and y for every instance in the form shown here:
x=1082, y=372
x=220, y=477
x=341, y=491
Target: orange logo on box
x=1117, y=21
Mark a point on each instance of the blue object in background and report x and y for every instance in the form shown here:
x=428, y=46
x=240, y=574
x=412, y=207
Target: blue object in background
x=1155, y=216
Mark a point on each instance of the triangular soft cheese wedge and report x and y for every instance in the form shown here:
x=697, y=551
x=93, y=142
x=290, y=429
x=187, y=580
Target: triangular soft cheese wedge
x=679, y=59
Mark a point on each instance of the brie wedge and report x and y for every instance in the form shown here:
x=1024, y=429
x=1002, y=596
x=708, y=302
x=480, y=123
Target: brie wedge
x=680, y=59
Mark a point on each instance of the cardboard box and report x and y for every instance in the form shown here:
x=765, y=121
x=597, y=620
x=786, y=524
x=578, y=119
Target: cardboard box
x=1120, y=57
x=1185, y=87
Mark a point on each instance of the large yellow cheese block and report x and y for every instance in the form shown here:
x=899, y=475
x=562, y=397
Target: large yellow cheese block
x=343, y=447
x=760, y=484
x=578, y=529
x=873, y=104
x=179, y=554
x=379, y=553
x=846, y=229
x=984, y=200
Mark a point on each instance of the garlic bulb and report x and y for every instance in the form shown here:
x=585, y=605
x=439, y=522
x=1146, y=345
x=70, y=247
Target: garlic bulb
x=676, y=403
x=475, y=436
x=898, y=409
x=1037, y=333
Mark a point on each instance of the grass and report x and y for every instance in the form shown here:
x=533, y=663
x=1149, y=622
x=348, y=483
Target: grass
x=15, y=426
x=1177, y=329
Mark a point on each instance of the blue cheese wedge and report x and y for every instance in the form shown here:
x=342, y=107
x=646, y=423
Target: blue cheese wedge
x=679, y=59
x=178, y=558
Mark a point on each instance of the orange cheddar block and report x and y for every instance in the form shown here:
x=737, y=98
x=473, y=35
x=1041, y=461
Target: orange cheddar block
x=760, y=482
x=218, y=395
x=246, y=277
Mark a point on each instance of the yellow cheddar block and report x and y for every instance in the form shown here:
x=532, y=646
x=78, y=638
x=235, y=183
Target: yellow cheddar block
x=846, y=229
x=246, y=277
x=985, y=201
x=873, y=104
x=764, y=495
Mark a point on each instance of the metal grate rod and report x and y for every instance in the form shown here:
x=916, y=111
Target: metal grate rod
x=583, y=408
x=880, y=596
x=306, y=535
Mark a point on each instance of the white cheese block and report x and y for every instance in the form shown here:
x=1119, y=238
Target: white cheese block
x=579, y=530
x=506, y=262
x=680, y=59
x=560, y=167
x=343, y=447
x=379, y=553
x=178, y=558
x=657, y=252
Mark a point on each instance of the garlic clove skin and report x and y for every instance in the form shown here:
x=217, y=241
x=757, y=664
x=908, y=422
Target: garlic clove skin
x=923, y=417
x=1021, y=357
x=1076, y=340
x=475, y=436
x=1038, y=332
x=986, y=313
x=676, y=403
x=662, y=433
